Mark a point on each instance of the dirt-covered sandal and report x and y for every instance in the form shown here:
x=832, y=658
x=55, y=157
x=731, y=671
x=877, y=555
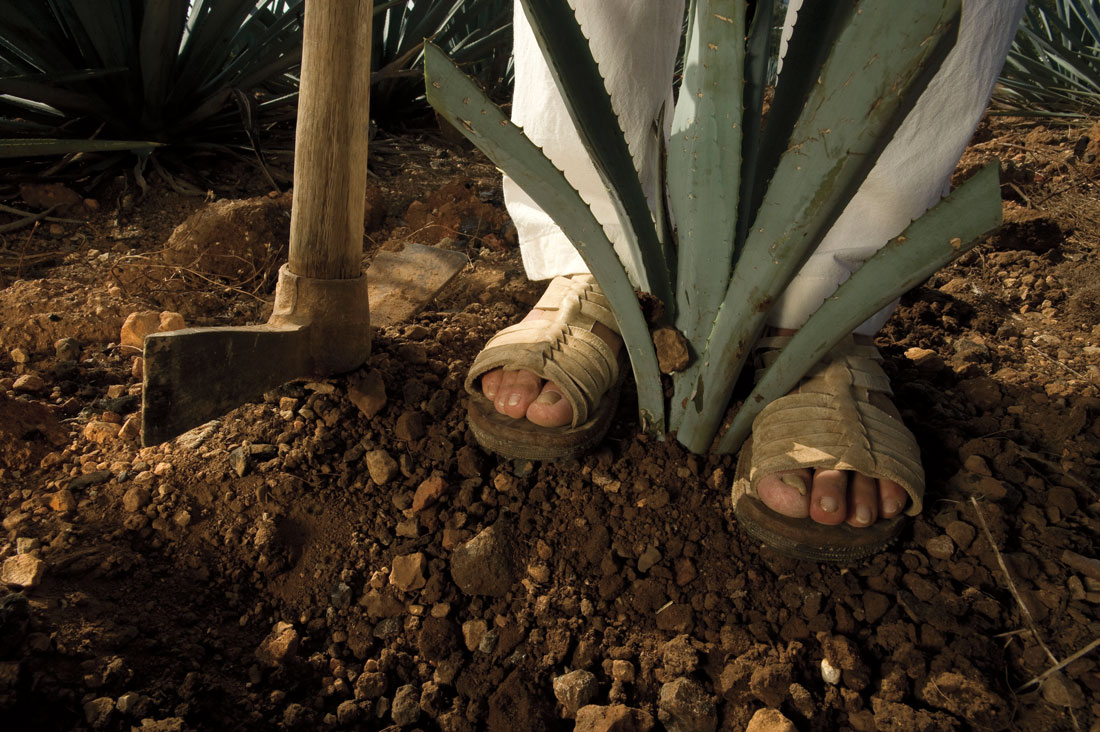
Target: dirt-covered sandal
x=565, y=351
x=840, y=417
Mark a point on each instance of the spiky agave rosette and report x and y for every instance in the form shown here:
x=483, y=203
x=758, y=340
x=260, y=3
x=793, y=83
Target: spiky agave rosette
x=749, y=206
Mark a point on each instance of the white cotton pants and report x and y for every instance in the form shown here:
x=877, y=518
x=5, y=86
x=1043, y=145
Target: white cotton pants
x=635, y=44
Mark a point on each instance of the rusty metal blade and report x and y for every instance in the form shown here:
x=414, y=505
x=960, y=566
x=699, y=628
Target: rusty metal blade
x=197, y=374
x=402, y=283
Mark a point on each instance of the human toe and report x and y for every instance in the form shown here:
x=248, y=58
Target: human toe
x=550, y=408
x=490, y=383
x=863, y=501
x=828, y=499
x=892, y=498
x=786, y=492
x=516, y=392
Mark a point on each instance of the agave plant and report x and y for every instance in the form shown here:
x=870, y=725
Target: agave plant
x=122, y=76
x=180, y=72
x=476, y=33
x=1054, y=64
x=751, y=195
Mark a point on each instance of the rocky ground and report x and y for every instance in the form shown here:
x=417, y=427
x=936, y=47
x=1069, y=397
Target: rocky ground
x=342, y=555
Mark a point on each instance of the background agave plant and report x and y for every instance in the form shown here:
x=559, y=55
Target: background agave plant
x=114, y=77
x=751, y=195
x=1054, y=65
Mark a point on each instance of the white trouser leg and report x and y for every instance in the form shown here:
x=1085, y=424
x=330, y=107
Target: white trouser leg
x=915, y=169
x=635, y=44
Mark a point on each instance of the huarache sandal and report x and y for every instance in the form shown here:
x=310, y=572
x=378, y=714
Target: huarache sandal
x=565, y=351
x=839, y=417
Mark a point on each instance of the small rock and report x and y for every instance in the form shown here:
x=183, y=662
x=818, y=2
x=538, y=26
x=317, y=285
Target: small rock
x=138, y=325
x=367, y=391
x=573, y=690
x=940, y=547
x=622, y=670
x=407, y=573
x=63, y=501
x=830, y=674
x=29, y=384
x=1062, y=692
x=279, y=646
x=406, y=706
x=131, y=429
x=18, y=355
x=97, y=712
x=678, y=657
x=484, y=565
x=410, y=426
x=347, y=713
x=672, y=350
x=130, y=703
x=370, y=685
x=381, y=466
x=683, y=706
x=471, y=462
x=770, y=720
x=614, y=718
x=135, y=499
x=182, y=518
x=137, y=368
x=473, y=631
x=240, y=461
x=649, y=558
x=89, y=479
x=22, y=570
x=428, y=492
x=101, y=432
x=961, y=533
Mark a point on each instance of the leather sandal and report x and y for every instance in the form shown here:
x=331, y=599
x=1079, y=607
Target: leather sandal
x=840, y=417
x=565, y=351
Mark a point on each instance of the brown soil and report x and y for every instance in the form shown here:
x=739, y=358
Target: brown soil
x=301, y=565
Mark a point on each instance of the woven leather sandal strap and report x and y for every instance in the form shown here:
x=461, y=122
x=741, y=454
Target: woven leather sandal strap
x=563, y=351
x=580, y=301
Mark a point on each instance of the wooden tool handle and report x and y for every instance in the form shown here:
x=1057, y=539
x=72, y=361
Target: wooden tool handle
x=330, y=153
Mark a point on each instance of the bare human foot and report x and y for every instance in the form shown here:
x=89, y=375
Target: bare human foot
x=525, y=395
x=832, y=496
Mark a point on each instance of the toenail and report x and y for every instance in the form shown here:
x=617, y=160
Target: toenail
x=513, y=399
x=828, y=505
x=890, y=507
x=548, y=398
x=795, y=482
x=863, y=515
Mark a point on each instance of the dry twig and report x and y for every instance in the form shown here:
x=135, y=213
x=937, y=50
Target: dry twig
x=1011, y=585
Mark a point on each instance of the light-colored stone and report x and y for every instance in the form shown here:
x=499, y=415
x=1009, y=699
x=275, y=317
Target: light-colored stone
x=613, y=718
x=100, y=431
x=135, y=499
x=29, y=384
x=367, y=391
x=98, y=712
x=407, y=572
x=63, y=501
x=381, y=466
x=406, y=706
x=574, y=690
x=18, y=355
x=279, y=646
x=428, y=492
x=770, y=720
x=23, y=570
x=131, y=429
x=683, y=706
x=473, y=631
